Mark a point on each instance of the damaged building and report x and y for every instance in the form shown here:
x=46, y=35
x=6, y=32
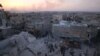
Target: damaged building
x=44, y=34
x=73, y=29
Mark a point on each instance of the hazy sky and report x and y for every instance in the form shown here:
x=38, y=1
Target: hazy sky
x=51, y=5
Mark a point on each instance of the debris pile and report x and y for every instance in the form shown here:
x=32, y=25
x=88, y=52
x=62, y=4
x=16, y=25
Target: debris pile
x=25, y=44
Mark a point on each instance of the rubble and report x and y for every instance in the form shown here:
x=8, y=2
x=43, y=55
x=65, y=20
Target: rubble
x=40, y=35
x=23, y=39
x=20, y=41
x=14, y=52
x=26, y=53
x=25, y=44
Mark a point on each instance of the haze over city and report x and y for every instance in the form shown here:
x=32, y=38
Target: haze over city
x=51, y=5
x=49, y=27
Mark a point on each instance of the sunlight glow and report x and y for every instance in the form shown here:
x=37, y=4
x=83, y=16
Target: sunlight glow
x=42, y=5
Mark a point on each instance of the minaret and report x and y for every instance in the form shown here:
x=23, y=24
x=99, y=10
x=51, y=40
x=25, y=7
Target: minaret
x=0, y=15
x=4, y=28
x=3, y=17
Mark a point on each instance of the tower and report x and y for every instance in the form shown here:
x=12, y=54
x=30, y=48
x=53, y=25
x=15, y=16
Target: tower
x=0, y=15
x=3, y=17
x=4, y=27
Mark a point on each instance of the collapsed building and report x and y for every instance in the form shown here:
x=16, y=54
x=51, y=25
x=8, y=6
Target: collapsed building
x=26, y=43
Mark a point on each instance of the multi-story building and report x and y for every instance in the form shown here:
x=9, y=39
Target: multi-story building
x=72, y=29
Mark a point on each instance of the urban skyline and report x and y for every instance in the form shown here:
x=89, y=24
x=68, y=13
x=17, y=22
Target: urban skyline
x=51, y=5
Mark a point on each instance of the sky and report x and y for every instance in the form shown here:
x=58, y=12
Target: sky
x=51, y=5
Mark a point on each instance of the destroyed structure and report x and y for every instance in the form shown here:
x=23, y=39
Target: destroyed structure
x=50, y=34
